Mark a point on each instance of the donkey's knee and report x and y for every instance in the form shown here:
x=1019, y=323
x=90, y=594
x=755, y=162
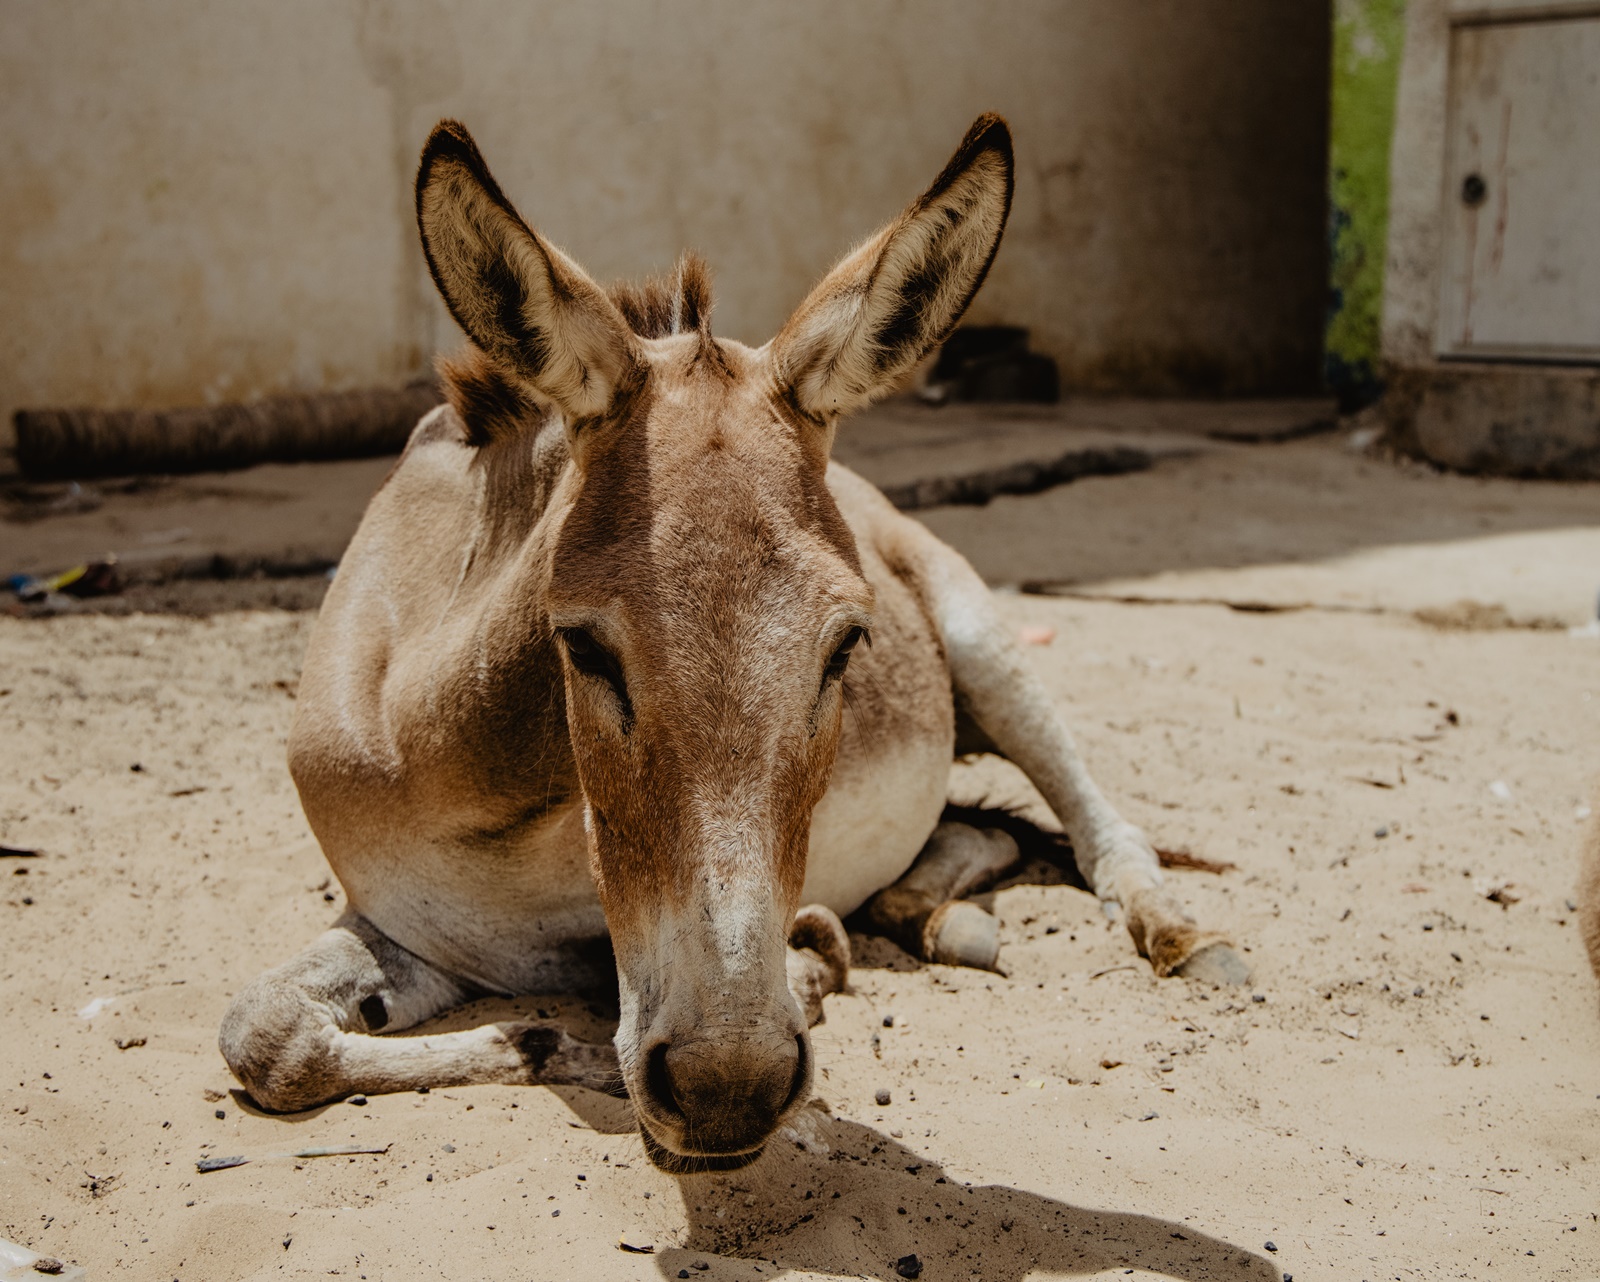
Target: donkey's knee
x=280, y=1046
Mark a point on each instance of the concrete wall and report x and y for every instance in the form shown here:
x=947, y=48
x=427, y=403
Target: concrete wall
x=212, y=201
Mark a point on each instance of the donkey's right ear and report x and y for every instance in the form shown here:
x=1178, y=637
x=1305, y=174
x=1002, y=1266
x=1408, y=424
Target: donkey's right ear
x=519, y=298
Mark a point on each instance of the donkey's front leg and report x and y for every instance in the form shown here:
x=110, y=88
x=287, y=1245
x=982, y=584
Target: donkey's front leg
x=996, y=688
x=819, y=959
x=303, y=1034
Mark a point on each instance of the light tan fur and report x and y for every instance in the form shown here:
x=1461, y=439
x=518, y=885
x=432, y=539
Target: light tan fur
x=619, y=657
x=1589, y=891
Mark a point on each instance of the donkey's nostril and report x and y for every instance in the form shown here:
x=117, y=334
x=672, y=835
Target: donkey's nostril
x=798, y=1082
x=658, y=1080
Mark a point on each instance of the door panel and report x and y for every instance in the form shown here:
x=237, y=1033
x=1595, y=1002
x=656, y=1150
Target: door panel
x=1522, y=194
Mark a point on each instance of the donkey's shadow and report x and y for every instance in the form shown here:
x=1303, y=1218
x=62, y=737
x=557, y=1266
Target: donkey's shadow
x=835, y=1197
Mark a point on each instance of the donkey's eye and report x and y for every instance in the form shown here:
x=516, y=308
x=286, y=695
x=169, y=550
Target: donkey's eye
x=593, y=659
x=841, y=656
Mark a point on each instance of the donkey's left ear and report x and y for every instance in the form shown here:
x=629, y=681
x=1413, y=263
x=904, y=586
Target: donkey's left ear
x=896, y=297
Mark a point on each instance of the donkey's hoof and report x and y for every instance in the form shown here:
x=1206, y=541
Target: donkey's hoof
x=960, y=933
x=1216, y=964
x=820, y=930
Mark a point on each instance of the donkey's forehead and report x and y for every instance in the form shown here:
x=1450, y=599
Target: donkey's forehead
x=707, y=481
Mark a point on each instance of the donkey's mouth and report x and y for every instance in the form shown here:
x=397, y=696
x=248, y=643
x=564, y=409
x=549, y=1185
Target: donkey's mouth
x=694, y=1163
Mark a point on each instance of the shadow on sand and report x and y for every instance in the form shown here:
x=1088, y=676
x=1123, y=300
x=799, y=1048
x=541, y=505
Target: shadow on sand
x=833, y=1196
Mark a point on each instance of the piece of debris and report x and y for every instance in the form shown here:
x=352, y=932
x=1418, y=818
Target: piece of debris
x=1501, y=790
x=208, y=1164
x=17, y=1263
x=360, y=1101
x=93, y=578
x=908, y=1266
x=624, y=1245
x=1150, y=1116
x=15, y=852
x=1109, y=1064
x=1183, y=859
x=90, y=1009
x=1496, y=891
x=128, y=1043
x=1036, y=634
x=882, y=1097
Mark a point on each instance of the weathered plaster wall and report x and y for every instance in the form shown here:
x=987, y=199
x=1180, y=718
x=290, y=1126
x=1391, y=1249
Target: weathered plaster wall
x=1367, y=38
x=211, y=201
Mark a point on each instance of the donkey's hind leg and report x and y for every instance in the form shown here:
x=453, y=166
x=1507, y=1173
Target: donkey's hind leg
x=924, y=911
x=302, y=1034
x=999, y=692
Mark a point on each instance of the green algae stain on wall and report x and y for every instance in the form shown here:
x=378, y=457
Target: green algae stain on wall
x=1367, y=40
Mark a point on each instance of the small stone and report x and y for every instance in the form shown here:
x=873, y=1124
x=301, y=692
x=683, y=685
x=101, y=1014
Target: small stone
x=221, y=1113
x=360, y=1101
x=1258, y=997
x=48, y=1264
x=908, y=1266
x=883, y=1101
x=1381, y=831
x=683, y=1273
x=1271, y=1246
x=888, y=1021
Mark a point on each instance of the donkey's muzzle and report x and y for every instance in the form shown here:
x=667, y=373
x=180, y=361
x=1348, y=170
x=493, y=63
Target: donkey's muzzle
x=709, y=1099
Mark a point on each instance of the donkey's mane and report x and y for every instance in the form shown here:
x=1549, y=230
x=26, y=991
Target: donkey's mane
x=494, y=404
x=676, y=302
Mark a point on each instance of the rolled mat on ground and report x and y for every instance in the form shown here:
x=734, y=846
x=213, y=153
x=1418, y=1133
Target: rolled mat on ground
x=57, y=444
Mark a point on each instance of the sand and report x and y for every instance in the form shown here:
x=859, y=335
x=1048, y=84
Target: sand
x=1409, y=1087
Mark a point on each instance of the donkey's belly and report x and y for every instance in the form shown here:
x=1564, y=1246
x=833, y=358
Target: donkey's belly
x=874, y=819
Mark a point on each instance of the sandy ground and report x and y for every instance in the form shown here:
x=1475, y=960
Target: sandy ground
x=1409, y=1088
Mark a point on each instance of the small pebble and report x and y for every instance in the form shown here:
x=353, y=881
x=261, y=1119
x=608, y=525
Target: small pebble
x=888, y=1021
x=1258, y=997
x=360, y=1101
x=683, y=1273
x=1381, y=831
x=221, y=1113
x=882, y=1097
x=908, y=1266
x=1271, y=1246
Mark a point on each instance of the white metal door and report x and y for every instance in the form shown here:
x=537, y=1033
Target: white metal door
x=1522, y=195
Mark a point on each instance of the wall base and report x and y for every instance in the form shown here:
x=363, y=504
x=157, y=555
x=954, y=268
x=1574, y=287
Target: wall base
x=1500, y=419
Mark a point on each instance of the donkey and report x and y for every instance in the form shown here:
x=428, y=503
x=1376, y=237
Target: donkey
x=618, y=658
x=1589, y=892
